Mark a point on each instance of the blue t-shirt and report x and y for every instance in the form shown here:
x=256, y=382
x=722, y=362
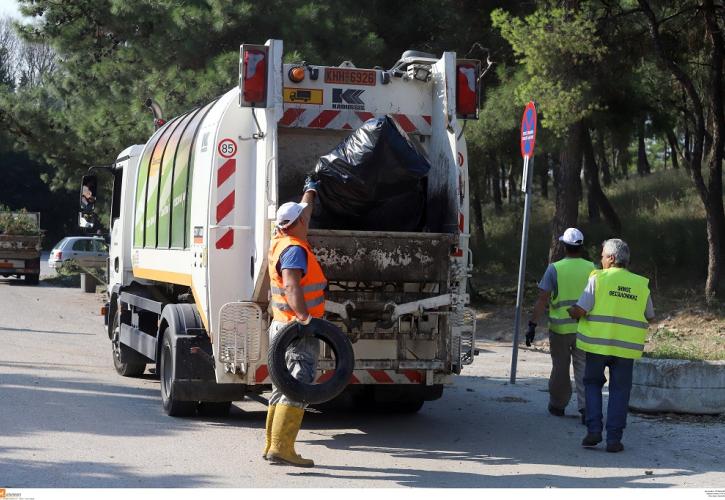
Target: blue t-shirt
x=293, y=257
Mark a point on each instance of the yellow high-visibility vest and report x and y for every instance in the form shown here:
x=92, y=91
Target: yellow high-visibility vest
x=571, y=278
x=616, y=325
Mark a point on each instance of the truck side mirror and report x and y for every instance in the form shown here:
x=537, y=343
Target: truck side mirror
x=89, y=187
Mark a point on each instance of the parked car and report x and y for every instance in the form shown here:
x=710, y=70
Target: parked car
x=86, y=251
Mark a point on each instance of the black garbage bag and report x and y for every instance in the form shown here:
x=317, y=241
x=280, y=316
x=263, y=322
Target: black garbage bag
x=375, y=180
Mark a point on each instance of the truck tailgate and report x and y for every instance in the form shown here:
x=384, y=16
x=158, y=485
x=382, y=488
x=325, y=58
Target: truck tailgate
x=382, y=255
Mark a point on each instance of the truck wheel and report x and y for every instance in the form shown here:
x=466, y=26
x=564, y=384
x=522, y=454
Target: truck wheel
x=172, y=406
x=126, y=361
x=32, y=279
x=300, y=391
x=214, y=409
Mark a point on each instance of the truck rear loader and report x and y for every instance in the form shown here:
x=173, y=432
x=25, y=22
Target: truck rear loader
x=193, y=211
x=20, y=245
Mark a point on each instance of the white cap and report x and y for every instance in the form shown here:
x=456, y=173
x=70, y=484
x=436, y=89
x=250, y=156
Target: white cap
x=572, y=236
x=288, y=213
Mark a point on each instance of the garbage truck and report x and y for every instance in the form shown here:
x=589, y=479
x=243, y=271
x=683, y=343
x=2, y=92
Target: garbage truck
x=193, y=210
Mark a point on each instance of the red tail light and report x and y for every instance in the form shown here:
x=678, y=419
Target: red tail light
x=467, y=89
x=58, y=254
x=253, y=77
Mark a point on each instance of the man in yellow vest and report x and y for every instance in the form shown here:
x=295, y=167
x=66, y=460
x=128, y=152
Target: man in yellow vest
x=560, y=287
x=297, y=285
x=613, y=313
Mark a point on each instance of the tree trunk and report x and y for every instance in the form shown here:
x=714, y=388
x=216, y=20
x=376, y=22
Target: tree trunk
x=697, y=98
x=595, y=194
x=496, y=187
x=513, y=191
x=672, y=141
x=567, y=184
x=543, y=173
x=643, y=167
x=502, y=179
x=602, y=157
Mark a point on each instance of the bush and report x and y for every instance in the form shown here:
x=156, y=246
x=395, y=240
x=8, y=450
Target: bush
x=18, y=223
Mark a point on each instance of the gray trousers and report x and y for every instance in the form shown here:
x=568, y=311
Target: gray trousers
x=563, y=353
x=301, y=361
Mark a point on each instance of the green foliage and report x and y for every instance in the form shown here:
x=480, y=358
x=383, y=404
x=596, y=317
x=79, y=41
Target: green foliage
x=557, y=48
x=664, y=227
x=669, y=344
x=18, y=223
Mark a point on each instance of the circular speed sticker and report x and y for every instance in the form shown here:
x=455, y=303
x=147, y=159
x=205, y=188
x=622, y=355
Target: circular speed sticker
x=227, y=148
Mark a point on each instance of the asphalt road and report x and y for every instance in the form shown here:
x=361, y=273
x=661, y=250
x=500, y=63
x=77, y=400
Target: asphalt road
x=67, y=420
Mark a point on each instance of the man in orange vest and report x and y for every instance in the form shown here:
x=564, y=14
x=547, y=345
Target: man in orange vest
x=297, y=286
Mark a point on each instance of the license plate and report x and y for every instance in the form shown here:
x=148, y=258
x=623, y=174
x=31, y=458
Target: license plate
x=346, y=76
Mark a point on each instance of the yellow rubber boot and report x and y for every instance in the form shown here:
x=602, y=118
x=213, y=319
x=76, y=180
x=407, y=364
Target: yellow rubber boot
x=268, y=428
x=285, y=426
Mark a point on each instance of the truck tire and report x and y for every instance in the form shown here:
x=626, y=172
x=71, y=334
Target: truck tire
x=311, y=393
x=172, y=406
x=32, y=279
x=126, y=361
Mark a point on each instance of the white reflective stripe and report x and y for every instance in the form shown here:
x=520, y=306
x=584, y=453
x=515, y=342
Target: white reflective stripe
x=562, y=321
x=305, y=289
x=283, y=306
x=611, y=342
x=564, y=303
x=315, y=302
x=315, y=287
x=618, y=321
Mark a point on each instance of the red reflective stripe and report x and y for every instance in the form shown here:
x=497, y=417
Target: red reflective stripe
x=414, y=376
x=364, y=115
x=290, y=115
x=461, y=221
x=326, y=376
x=226, y=241
x=354, y=379
x=323, y=119
x=427, y=118
x=380, y=376
x=457, y=253
x=261, y=373
x=225, y=171
x=226, y=206
x=405, y=122
x=347, y=126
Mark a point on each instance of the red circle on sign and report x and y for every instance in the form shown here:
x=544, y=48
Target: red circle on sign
x=227, y=148
x=528, y=130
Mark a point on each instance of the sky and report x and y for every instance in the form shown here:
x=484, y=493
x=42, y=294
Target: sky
x=9, y=8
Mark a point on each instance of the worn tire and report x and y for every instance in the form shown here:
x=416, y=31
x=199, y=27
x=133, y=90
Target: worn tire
x=126, y=361
x=172, y=406
x=311, y=393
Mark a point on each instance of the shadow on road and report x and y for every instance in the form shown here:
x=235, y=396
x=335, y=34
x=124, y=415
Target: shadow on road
x=75, y=474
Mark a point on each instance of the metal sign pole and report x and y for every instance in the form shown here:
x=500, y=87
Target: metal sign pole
x=526, y=188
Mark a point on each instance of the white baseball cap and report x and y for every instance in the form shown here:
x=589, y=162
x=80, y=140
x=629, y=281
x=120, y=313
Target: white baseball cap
x=288, y=212
x=572, y=236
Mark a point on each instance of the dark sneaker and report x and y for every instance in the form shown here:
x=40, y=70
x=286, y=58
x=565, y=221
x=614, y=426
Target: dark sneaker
x=557, y=412
x=592, y=439
x=615, y=447
x=584, y=416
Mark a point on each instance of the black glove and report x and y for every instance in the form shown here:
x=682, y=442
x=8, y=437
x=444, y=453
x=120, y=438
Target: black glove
x=530, y=333
x=312, y=183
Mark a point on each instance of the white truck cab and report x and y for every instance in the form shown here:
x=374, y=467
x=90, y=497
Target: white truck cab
x=193, y=211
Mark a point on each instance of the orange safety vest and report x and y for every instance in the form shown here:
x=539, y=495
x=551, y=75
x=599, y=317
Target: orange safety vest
x=313, y=283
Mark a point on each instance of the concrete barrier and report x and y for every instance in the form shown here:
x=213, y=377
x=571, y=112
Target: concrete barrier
x=679, y=386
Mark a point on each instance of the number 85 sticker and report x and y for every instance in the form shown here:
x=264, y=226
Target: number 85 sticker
x=227, y=148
